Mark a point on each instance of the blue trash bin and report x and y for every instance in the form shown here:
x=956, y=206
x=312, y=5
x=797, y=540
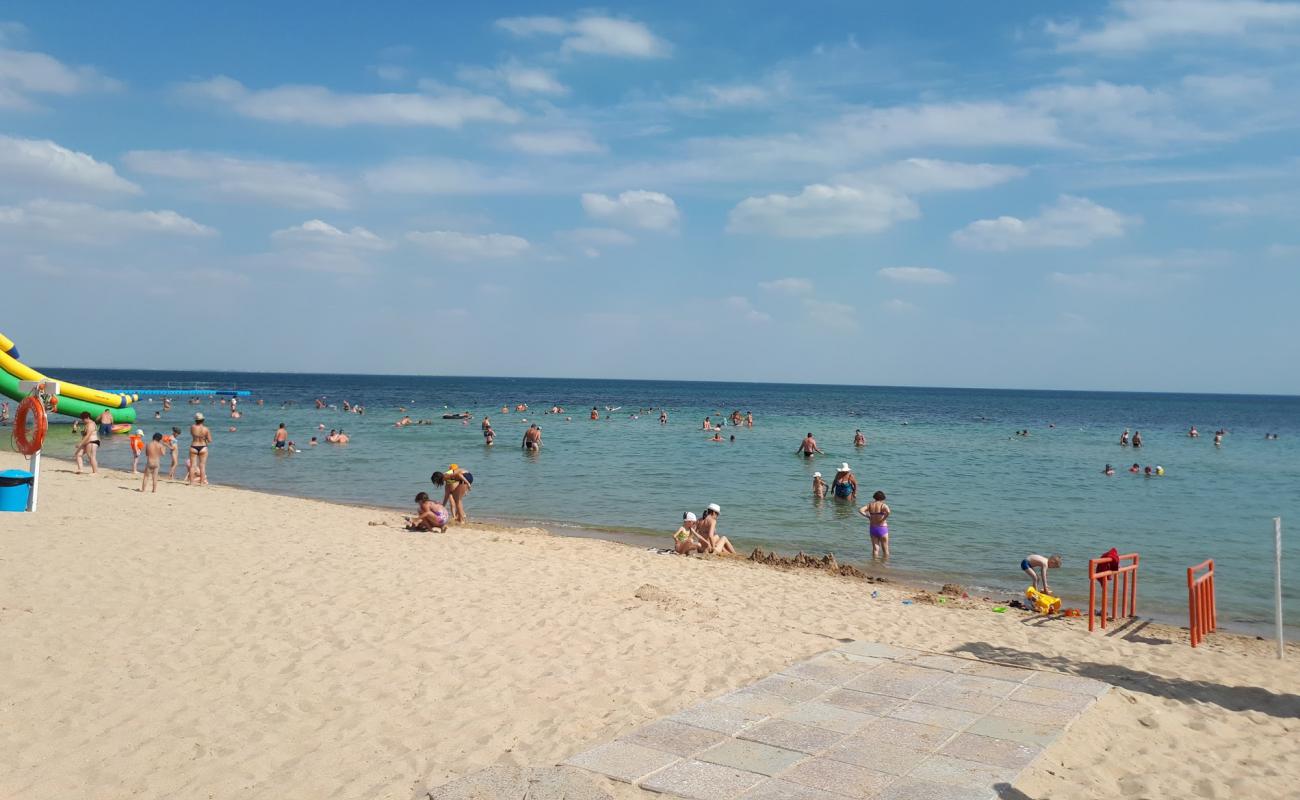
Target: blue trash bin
x=15, y=489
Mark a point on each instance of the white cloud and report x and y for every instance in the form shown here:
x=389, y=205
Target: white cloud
x=42, y=164
x=281, y=183
x=1137, y=26
x=920, y=175
x=898, y=306
x=592, y=35
x=318, y=105
x=746, y=310
x=712, y=97
x=1109, y=112
x=637, y=208
x=791, y=286
x=836, y=317
x=85, y=222
x=455, y=246
x=821, y=210
x=923, y=275
x=441, y=176
x=591, y=240
x=1070, y=222
x=1228, y=88
x=23, y=72
x=318, y=233
x=555, y=143
x=516, y=77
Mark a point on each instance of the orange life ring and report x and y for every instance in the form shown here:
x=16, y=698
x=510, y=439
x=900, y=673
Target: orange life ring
x=23, y=444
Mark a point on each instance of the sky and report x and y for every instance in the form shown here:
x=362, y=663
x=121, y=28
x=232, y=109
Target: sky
x=1015, y=194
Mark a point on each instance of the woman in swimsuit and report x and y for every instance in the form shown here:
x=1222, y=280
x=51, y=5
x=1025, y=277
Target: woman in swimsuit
x=200, y=440
x=454, y=487
x=877, y=514
x=89, y=444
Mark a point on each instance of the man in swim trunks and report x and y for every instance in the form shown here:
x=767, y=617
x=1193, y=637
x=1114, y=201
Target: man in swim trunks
x=281, y=437
x=200, y=441
x=105, y=423
x=532, y=439
x=809, y=446
x=89, y=444
x=1036, y=566
x=1137, y=438
x=152, y=461
x=877, y=514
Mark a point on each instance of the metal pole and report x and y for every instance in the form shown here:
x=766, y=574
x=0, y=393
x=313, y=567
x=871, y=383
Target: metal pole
x=36, y=480
x=1277, y=582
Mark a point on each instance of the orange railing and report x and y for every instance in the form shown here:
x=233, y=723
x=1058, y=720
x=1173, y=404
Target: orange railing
x=1123, y=599
x=1201, y=611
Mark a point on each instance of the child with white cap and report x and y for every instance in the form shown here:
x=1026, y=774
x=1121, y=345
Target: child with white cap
x=686, y=540
x=819, y=486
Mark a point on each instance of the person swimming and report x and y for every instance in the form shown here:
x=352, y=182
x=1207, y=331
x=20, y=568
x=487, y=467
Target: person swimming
x=1109, y=470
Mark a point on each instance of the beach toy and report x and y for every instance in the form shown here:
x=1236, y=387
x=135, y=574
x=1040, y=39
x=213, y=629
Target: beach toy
x=999, y=609
x=907, y=602
x=1043, y=603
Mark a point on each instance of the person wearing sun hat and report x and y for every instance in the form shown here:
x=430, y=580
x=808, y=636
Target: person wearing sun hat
x=844, y=486
x=200, y=441
x=707, y=529
x=686, y=540
x=819, y=486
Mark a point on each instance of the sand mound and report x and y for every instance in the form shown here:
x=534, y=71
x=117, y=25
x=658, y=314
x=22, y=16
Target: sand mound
x=826, y=563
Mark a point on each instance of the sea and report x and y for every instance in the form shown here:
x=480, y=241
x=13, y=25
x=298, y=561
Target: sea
x=970, y=497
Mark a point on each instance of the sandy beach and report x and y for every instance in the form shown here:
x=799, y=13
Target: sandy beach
x=220, y=643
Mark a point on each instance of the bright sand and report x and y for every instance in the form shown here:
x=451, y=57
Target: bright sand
x=211, y=642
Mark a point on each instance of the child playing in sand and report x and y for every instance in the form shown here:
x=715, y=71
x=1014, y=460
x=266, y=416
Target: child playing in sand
x=819, y=486
x=686, y=540
x=430, y=515
x=1036, y=566
x=152, y=461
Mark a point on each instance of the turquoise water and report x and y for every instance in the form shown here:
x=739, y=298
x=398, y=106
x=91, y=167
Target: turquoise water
x=969, y=499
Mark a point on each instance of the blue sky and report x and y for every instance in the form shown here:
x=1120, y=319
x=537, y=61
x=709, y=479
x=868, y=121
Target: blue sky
x=1065, y=195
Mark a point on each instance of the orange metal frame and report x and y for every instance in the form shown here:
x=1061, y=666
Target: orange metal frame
x=1202, y=612
x=1123, y=599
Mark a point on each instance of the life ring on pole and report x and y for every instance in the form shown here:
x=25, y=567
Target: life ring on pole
x=24, y=444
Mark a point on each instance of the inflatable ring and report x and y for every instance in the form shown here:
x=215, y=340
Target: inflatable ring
x=23, y=444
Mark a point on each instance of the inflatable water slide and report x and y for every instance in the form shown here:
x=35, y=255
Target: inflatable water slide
x=72, y=399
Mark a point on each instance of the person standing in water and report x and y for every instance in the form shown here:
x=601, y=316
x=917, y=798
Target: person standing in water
x=281, y=440
x=105, y=423
x=489, y=435
x=877, y=514
x=858, y=439
x=844, y=485
x=532, y=438
x=200, y=441
x=1137, y=438
x=1123, y=438
x=808, y=447
x=818, y=486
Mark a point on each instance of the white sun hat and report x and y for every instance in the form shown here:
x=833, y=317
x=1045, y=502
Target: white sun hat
x=845, y=467
x=714, y=508
x=817, y=474
x=689, y=516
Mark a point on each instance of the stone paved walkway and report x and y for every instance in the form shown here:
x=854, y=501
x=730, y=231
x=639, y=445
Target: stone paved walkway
x=865, y=721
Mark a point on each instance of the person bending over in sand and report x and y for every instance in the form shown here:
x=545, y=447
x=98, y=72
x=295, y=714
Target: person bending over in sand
x=153, y=461
x=686, y=540
x=707, y=530
x=200, y=441
x=877, y=514
x=455, y=485
x=430, y=515
x=1036, y=566
x=819, y=486
x=89, y=444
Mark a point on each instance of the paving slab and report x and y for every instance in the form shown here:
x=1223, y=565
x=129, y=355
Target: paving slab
x=1069, y=683
x=913, y=789
x=838, y=777
x=1030, y=733
x=862, y=702
x=897, y=680
x=796, y=689
x=623, y=761
x=777, y=789
x=673, y=737
x=950, y=695
x=715, y=716
x=877, y=650
x=828, y=716
x=865, y=721
x=510, y=782
x=748, y=756
x=881, y=756
x=757, y=702
x=791, y=736
x=987, y=750
x=1069, y=701
x=698, y=780
x=940, y=717
x=960, y=772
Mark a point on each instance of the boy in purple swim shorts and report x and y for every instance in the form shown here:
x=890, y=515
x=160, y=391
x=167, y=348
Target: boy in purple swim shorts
x=877, y=514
